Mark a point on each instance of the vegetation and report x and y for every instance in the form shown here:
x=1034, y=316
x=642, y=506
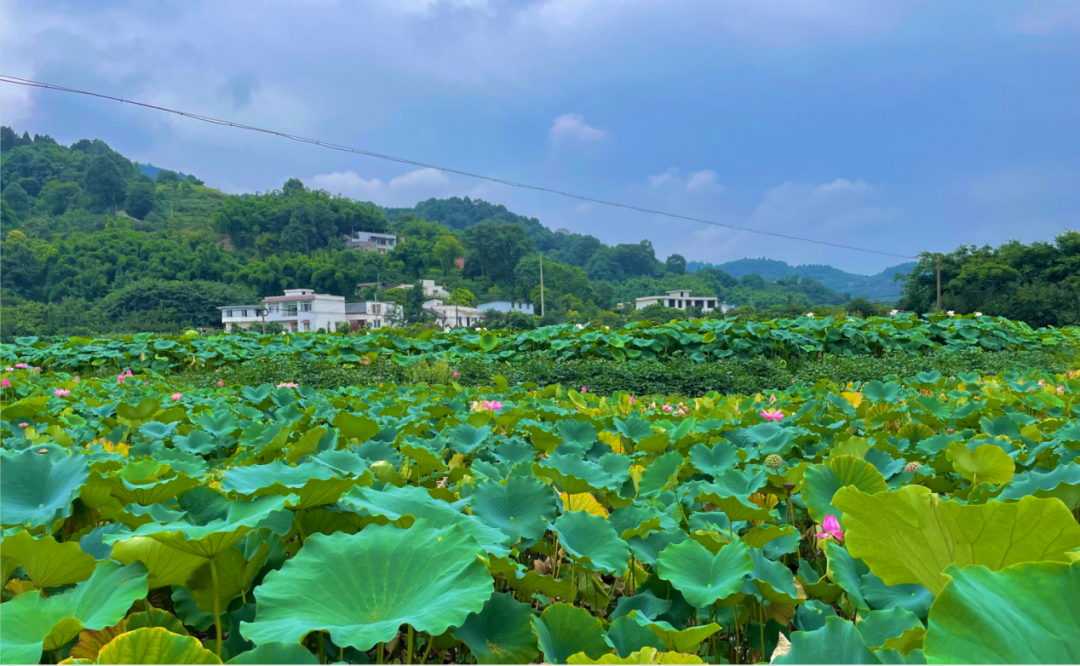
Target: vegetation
x=147, y=520
x=698, y=341
x=880, y=287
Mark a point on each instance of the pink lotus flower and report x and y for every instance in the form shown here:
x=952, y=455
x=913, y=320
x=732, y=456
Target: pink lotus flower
x=832, y=529
x=631, y=400
x=666, y=408
x=176, y=396
x=221, y=382
x=9, y=369
x=6, y=382
x=772, y=415
x=74, y=379
x=21, y=366
x=128, y=372
x=37, y=368
x=584, y=390
x=24, y=425
x=492, y=405
x=60, y=393
x=120, y=378
x=288, y=385
x=455, y=373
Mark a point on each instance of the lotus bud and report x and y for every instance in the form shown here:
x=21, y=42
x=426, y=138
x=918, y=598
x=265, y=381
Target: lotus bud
x=950, y=431
x=774, y=462
x=911, y=467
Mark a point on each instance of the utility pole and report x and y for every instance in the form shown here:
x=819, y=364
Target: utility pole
x=541, y=284
x=939, y=284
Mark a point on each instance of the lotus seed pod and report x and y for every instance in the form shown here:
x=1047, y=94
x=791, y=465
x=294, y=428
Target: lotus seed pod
x=911, y=467
x=774, y=462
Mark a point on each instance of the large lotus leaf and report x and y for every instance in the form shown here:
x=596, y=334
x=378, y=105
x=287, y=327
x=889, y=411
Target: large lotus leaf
x=702, y=577
x=679, y=640
x=219, y=424
x=820, y=483
x=847, y=572
x=408, y=503
x=577, y=431
x=877, y=391
x=35, y=491
x=362, y=587
x=1063, y=482
x=911, y=536
x=215, y=536
x=30, y=623
x=47, y=562
x=355, y=426
x=1024, y=614
x=838, y=642
x=532, y=581
x=646, y=655
x=627, y=636
x=661, y=474
x=147, y=494
x=501, y=633
x=155, y=645
x=987, y=464
x=520, y=508
x=314, y=483
x=737, y=508
x=575, y=475
x=879, y=596
x=640, y=519
x=276, y=653
x=634, y=428
x=565, y=630
x=716, y=460
x=648, y=548
x=645, y=603
x=764, y=439
x=467, y=438
x=592, y=542
x=773, y=581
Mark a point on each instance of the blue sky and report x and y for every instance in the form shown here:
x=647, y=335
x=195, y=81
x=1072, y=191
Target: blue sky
x=896, y=125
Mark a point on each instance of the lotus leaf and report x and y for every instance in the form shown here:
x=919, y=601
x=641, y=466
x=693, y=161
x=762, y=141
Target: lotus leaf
x=838, y=642
x=155, y=646
x=592, y=542
x=35, y=491
x=703, y=577
x=564, y=630
x=989, y=463
x=520, y=508
x=276, y=653
x=821, y=482
x=46, y=562
x=362, y=587
x=501, y=633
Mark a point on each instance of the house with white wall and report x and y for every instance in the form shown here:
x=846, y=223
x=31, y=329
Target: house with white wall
x=506, y=307
x=453, y=315
x=680, y=299
x=300, y=310
x=371, y=241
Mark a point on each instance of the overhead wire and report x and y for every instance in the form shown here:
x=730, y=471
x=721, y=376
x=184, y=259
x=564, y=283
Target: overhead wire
x=14, y=80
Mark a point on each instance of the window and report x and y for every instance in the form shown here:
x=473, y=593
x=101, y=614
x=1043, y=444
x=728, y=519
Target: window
x=305, y=306
x=712, y=304
x=228, y=313
x=307, y=326
x=671, y=302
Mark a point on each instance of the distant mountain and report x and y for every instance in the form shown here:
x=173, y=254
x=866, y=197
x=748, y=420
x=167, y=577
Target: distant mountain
x=880, y=287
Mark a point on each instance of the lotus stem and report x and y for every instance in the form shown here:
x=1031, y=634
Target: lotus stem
x=322, y=649
x=409, y=646
x=217, y=605
x=430, y=643
x=378, y=651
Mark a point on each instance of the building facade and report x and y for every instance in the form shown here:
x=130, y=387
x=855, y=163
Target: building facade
x=371, y=241
x=506, y=306
x=681, y=299
x=453, y=315
x=300, y=310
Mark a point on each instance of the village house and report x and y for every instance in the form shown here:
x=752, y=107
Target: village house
x=680, y=299
x=506, y=307
x=300, y=310
x=371, y=241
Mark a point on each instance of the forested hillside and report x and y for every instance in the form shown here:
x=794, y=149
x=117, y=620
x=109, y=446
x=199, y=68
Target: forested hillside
x=878, y=287
x=91, y=243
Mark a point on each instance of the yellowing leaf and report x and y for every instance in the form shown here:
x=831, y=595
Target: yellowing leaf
x=854, y=399
x=583, y=502
x=612, y=439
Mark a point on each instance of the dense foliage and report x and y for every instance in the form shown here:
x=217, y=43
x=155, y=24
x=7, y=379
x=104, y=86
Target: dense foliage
x=148, y=521
x=1037, y=283
x=699, y=341
x=882, y=286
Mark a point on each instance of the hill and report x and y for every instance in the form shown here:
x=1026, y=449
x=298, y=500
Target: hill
x=880, y=287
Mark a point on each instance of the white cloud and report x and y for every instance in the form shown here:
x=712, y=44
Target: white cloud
x=573, y=126
x=404, y=190
x=672, y=181
x=702, y=179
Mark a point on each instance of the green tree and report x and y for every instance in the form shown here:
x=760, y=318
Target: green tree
x=463, y=297
x=16, y=197
x=141, y=199
x=447, y=250
x=104, y=182
x=414, y=305
x=676, y=263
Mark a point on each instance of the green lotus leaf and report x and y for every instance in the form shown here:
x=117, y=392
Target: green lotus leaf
x=634, y=428
x=816, y=585
x=592, y=542
x=702, y=577
x=354, y=426
x=987, y=464
x=234, y=577
x=911, y=536
x=276, y=653
x=574, y=475
x=501, y=633
x=640, y=519
x=30, y=623
x=362, y=587
x=155, y=645
x=646, y=603
x=661, y=474
x=219, y=424
x=35, y=491
x=153, y=492
x=403, y=505
x=646, y=655
x=215, y=536
x=879, y=596
x=879, y=626
x=1063, y=482
x=648, y=548
x=467, y=439
x=577, y=431
x=1023, y=614
x=528, y=582
x=563, y=630
x=773, y=581
x=521, y=508
x=820, y=483
x=837, y=642
x=679, y=640
x=716, y=460
x=627, y=636
x=738, y=508
x=46, y=562
x=313, y=483
x=155, y=617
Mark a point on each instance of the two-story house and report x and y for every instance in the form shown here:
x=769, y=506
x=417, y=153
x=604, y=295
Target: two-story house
x=681, y=299
x=300, y=310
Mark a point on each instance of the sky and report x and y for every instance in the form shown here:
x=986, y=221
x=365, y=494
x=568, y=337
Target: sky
x=901, y=126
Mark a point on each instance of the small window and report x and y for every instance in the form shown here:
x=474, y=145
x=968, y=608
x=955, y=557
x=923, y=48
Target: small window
x=305, y=306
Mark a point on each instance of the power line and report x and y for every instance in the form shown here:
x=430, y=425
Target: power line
x=401, y=160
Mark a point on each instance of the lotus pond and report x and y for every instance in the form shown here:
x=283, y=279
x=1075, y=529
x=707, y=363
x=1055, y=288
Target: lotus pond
x=926, y=520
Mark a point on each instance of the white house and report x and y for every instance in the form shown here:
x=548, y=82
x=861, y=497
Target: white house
x=506, y=306
x=370, y=241
x=453, y=315
x=430, y=289
x=300, y=310
x=681, y=299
